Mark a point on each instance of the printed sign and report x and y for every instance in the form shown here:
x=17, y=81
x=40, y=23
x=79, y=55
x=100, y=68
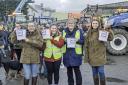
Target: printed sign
x=103, y=35
x=21, y=34
x=71, y=42
x=46, y=34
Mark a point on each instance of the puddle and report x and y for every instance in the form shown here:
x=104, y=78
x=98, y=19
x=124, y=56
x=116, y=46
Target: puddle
x=110, y=79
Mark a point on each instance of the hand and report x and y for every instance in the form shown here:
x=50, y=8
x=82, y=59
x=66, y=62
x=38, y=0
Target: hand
x=16, y=29
x=65, y=39
x=51, y=37
x=77, y=40
x=26, y=40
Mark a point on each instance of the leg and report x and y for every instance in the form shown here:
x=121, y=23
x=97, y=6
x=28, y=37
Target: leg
x=56, y=71
x=6, y=67
x=27, y=73
x=49, y=66
x=78, y=75
x=70, y=76
x=102, y=75
x=35, y=71
x=45, y=69
x=95, y=75
x=18, y=53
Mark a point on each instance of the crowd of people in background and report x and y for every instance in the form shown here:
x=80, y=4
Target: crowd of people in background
x=34, y=53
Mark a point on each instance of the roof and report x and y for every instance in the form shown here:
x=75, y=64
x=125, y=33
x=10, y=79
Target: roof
x=32, y=7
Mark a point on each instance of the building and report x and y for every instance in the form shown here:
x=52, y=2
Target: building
x=39, y=13
x=106, y=9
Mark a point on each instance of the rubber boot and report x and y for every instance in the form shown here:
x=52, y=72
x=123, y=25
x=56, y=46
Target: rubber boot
x=96, y=80
x=103, y=82
x=34, y=80
x=26, y=81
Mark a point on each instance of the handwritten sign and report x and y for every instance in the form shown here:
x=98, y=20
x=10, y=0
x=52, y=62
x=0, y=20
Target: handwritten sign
x=103, y=35
x=21, y=34
x=46, y=34
x=71, y=42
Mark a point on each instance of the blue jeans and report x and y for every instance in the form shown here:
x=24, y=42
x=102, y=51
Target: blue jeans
x=98, y=70
x=30, y=70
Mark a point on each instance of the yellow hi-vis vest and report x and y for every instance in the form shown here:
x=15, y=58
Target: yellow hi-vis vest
x=52, y=50
x=78, y=47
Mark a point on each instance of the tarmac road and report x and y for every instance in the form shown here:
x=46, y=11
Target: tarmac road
x=116, y=73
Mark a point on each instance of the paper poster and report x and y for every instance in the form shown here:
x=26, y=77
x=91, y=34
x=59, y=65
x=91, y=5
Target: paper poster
x=103, y=35
x=46, y=34
x=21, y=34
x=71, y=42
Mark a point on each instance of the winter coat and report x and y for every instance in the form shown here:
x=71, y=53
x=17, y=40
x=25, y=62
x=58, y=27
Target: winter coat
x=30, y=49
x=4, y=38
x=95, y=49
x=70, y=58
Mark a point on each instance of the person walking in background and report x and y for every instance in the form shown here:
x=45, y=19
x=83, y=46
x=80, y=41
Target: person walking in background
x=18, y=49
x=53, y=54
x=85, y=27
x=72, y=57
x=42, y=74
x=4, y=40
x=96, y=52
x=30, y=52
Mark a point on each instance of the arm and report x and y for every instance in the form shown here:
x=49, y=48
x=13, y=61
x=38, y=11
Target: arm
x=38, y=42
x=59, y=43
x=111, y=35
x=81, y=40
x=12, y=37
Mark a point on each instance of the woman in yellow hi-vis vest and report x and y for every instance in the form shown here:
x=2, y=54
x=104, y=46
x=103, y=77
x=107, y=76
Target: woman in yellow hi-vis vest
x=72, y=50
x=53, y=54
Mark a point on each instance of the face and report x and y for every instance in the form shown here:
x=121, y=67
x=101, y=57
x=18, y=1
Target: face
x=53, y=29
x=88, y=25
x=95, y=24
x=71, y=25
x=18, y=26
x=31, y=27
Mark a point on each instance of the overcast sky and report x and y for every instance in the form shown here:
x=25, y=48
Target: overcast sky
x=72, y=5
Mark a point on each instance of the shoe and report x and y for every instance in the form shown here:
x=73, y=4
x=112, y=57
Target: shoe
x=103, y=82
x=34, y=80
x=26, y=81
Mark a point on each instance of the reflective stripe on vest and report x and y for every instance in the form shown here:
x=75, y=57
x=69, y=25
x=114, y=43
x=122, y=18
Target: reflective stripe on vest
x=78, y=48
x=52, y=50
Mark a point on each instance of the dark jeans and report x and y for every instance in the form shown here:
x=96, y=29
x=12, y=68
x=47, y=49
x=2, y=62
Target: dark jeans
x=18, y=53
x=53, y=69
x=98, y=70
x=78, y=76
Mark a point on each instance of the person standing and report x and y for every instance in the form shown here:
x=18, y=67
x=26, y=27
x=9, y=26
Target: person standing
x=53, y=54
x=30, y=52
x=18, y=49
x=72, y=57
x=96, y=52
x=4, y=40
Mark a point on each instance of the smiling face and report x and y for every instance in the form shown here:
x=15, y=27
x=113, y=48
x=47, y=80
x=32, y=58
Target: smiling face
x=71, y=25
x=18, y=26
x=95, y=24
x=53, y=29
x=31, y=27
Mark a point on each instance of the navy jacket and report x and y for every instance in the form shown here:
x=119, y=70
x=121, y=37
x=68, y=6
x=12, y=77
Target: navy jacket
x=70, y=58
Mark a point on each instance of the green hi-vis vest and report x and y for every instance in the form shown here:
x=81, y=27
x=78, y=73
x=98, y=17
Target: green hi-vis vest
x=78, y=47
x=52, y=50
